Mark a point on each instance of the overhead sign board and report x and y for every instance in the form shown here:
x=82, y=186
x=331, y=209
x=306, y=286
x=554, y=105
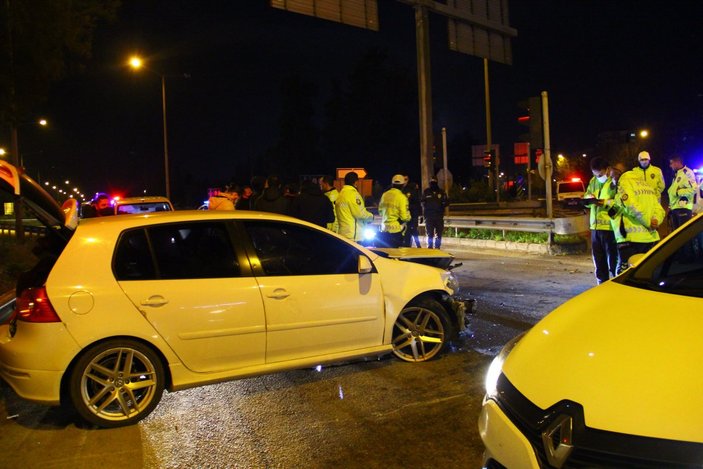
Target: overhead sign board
x=480, y=28
x=359, y=13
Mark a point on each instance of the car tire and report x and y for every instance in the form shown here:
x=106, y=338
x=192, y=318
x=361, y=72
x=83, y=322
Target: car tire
x=116, y=383
x=422, y=331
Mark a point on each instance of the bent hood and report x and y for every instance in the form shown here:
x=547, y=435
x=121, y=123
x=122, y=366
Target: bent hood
x=632, y=361
x=60, y=219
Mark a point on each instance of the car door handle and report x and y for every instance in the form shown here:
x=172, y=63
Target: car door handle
x=155, y=301
x=279, y=294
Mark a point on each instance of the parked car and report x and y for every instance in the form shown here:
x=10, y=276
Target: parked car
x=570, y=192
x=612, y=378
x=131, y=305
x=130, y=205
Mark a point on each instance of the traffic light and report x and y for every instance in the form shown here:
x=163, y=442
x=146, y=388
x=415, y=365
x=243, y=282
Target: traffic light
x=532, y=118
x=487, y=159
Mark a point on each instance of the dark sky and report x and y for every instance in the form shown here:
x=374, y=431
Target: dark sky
x=607, y=65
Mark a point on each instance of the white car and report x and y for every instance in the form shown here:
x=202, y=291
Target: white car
x=131, y=305
x=612, y=378
x=145, y=204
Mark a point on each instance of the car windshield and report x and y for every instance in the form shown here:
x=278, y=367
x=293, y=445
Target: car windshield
x=570, y=187
x=675, y=267
x=143, y=207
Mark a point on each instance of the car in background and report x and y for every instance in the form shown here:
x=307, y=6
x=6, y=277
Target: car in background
x=611, y=378
x=570, y=192
x=177, y=299
x=146, y=204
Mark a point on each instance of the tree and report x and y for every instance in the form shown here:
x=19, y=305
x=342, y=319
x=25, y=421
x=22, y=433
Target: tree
x=41, y=41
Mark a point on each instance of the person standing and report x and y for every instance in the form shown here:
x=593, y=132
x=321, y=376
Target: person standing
x=222, y=200
x=649, y=173
x=395, y=212
x=603, y=247
x=272, y=199
x=681, y=192
x=412, y=234
x=434, y=201
x=244, y=202
x=311, y=205
x=635, y=214
x=351, y=211
x=327, y=187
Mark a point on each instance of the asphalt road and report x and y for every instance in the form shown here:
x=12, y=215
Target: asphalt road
x=371, y=413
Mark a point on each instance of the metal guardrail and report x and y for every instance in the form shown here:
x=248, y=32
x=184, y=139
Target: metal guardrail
x=560, y=226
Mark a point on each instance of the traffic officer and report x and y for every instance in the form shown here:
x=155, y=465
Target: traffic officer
x=650, y=173
x=327, y=187
x=351, y=212
x=603, y=246
x=434, y=202
x=682, y=192
x=635, y=214
x=395, y=212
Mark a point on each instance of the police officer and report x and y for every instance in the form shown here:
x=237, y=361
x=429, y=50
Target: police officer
x=395, y=212
x=351, y=212
x=603, y=246
x=635, y=214
x=650, y=173
x=434, y=201
x=681, y=192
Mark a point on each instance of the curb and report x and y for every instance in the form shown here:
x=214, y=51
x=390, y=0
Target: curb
x=528, y=248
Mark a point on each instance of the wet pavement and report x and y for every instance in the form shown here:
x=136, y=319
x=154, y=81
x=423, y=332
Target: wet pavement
x=369, y=413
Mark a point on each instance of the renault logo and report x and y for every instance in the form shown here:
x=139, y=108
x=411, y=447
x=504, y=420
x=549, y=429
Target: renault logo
x=557, y=440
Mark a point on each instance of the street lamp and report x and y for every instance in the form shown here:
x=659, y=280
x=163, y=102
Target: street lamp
x=136, y=63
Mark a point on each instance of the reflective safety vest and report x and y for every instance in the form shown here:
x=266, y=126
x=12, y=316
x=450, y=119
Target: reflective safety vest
x=635, y=204
x=332, y=194
x=600, y=220
x=682, y=189
x=351, y=213
x=394, y=209
x=653, y=175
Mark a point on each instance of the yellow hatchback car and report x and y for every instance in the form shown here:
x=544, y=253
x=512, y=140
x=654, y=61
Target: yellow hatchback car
x=610, y=379
x=124, y=307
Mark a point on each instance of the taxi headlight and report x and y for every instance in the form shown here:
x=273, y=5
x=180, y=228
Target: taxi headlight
x=496, y=367
x=452, y=282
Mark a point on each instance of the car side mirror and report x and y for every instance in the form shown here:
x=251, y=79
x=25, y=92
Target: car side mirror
x=634, y=259
x=365, y=265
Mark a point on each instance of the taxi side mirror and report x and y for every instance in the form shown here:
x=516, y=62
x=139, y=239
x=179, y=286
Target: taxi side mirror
x=365, y=265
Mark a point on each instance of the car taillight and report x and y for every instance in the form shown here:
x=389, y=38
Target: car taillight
x=34, y=306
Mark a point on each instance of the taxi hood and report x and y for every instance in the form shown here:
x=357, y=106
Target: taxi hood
x=622, y=354
x=59, y=219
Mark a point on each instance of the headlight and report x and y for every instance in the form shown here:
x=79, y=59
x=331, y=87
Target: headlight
x=452, y=282
x=496, y=367
x=369, y=234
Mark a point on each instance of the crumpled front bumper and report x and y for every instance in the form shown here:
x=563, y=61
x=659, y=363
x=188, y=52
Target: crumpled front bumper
x=461, y=308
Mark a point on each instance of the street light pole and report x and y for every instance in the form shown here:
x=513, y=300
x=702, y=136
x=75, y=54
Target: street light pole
x=163, y=108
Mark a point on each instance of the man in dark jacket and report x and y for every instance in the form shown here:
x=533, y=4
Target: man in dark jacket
x=272, y=199
x=434, y=201
x=312, y=205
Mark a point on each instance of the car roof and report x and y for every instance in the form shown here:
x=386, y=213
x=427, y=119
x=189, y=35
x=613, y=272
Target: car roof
x=141, y=200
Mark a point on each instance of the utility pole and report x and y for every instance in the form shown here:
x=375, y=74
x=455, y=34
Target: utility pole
x=424, y=84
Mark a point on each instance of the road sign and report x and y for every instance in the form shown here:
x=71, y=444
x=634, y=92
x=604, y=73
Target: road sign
x=360, y=13
x=341, y=172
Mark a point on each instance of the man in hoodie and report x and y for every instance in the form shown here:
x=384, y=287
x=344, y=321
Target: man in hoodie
x=272, y=199
x=312, y=205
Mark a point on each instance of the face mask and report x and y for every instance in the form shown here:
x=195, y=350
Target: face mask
x=644, y=164
x=602, y=179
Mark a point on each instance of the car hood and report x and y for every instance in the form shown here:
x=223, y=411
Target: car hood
x=426, y=256
x=630, y=357
x=61, y=219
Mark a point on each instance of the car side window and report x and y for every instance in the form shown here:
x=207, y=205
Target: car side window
x=289, y=249
x=680, y=270
x=193, y=250
x=132, y=257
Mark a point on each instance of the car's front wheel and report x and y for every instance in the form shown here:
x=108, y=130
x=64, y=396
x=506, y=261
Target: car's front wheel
x=116, y=383
x=421, y=331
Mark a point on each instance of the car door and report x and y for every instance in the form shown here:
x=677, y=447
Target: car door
x=316, y=301
x=192, y=287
